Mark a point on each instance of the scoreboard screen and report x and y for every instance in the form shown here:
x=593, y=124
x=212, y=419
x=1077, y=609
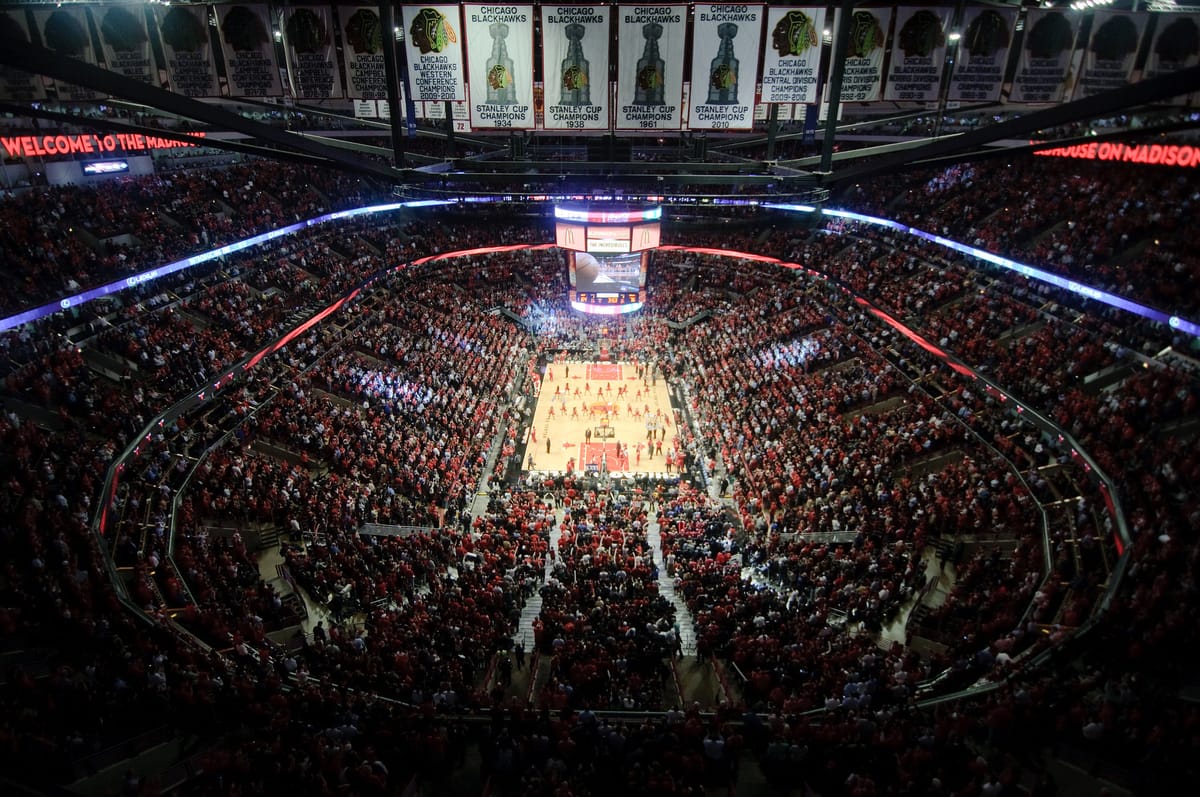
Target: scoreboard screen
x=607, y=284
x=608, y=253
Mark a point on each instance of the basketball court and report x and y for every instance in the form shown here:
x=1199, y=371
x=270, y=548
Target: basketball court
x=601, y=417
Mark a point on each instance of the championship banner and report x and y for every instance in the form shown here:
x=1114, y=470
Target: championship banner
x=500, y=65
x=311, y=56
x=918, y=54
x=1112, y=47
x=16, y=84
x=1045, y=56
x=793, y=56
x=187, y=49
x=575, y=67
x=862, y=75
x=982, y=54
x=650, y=51
x=1173, y=47
x=362, y=52
x=245, y=32
x=722, y=83
x=124, y=40
x=65, y=31
x=433, y=47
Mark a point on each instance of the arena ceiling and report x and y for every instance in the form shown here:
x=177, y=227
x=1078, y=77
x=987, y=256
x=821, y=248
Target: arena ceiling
x=672, y=163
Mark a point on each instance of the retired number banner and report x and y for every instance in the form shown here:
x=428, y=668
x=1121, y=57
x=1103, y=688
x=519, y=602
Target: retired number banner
x=311, y=56
x=575, y=67
x=918, y=54
x=17, y=84
x=433, y=47
x=982, y=54
x=651, y=43
x=500, y=65
x=792, y=55
x=725, y=42
x=1045, y=56
x=245, y=33
x=1107, y=61
x=362, y=52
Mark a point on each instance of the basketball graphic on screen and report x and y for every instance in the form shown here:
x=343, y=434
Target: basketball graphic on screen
x=587, y=268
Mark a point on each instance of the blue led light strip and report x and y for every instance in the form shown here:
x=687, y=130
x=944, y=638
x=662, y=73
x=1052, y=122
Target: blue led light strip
x=67, y=302
x=1111, y=299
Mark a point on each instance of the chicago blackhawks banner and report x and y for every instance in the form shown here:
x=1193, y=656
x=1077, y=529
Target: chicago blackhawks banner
x=1045, y=56
x=125, y=42
x=245, y=33
x=793, y=54
x=308, y=47
x=863, y=72
x=575, y=67
x=918, y=54
x=65, y=31
x=1173, y=47
x=725, y=42
x=500, y=65
x=17, y=84
x=362, y=52
x=187, y=49
x=1107, y=61
x=651, y=44
x=433, y=47
x=982, y=54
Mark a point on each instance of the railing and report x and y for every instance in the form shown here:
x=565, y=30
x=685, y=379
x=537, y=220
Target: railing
x=390, y=530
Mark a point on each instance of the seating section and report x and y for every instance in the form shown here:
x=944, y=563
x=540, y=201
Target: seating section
x=860, y=525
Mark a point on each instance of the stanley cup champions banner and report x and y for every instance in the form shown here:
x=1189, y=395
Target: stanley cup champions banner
x=187, y=49
x=17, y=84
x=863, y=72
x=1045, y=56
x=918, y=54
x=575, y=67
x=651, y=44
x=245, y=33
x=500, y=65
x=1107, y=61
x=433, y=48
x=725, y=46
x=1176, y=45
x=125, y=42
x=362, y=52
x=311, y=57
x=65, y=31
x=982, y=54
x=792, y=54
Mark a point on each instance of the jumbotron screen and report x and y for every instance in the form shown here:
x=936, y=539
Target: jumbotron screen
x=607, y=284
x=608, y=252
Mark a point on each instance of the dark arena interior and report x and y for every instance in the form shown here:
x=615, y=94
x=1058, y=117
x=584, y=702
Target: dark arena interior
x=439, y=412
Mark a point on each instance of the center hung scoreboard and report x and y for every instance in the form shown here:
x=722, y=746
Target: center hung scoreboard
x=608, y=253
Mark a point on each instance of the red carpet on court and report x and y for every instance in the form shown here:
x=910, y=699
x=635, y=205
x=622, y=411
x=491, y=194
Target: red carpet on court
x=603, y=371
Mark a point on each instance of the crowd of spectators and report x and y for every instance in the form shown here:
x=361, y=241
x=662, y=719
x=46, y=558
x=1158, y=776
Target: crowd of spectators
x=59, y=240
x=1115, y=226
x=609, y=631
x=847, y=454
